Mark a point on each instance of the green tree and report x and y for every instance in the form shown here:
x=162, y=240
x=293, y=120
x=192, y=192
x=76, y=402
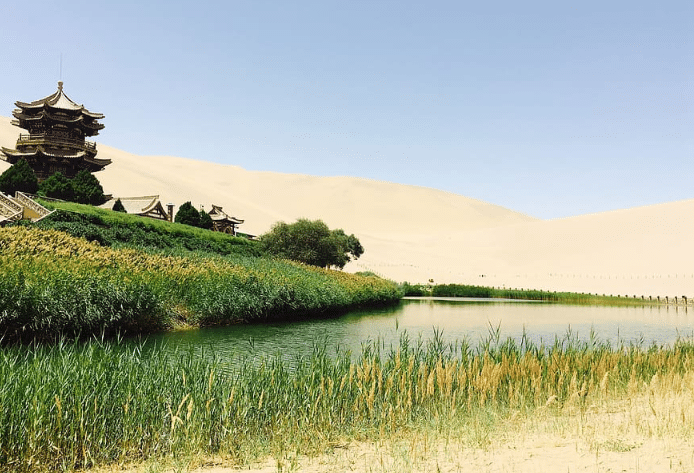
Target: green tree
x=311, y=242
x=343, y=248
x=19, y=177
x=87, y=189
x=118, y=207
x=188, y=215
x=57, y=186
x=205, y=220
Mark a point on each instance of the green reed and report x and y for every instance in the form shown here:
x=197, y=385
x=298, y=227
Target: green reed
x=53, y=284
x=75, y=405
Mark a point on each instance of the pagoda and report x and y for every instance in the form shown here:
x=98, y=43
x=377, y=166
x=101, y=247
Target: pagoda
x=57, y=129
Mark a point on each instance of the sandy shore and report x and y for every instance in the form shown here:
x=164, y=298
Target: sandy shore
x=416, y=234
x=537, y=455
x=650, y=432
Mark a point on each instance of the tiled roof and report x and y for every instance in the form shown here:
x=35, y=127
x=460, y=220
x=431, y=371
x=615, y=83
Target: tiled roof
x=60, y=101
x=134, y=205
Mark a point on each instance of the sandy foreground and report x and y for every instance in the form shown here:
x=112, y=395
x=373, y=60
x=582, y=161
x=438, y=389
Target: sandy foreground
x=648, y=433
x=546, y=454
x=416, y=234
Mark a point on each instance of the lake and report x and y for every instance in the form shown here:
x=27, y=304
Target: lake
x=467, y=319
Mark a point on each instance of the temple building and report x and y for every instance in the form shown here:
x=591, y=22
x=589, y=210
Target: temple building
x=222, y=222
x=55, y=141
x=145, y=206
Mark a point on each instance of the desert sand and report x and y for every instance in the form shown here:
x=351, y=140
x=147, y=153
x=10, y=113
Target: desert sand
x=418, y=234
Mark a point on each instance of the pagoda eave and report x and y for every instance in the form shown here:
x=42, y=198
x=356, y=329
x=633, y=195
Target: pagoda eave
x=39, y=152
x=24, y=105
x=97, y=116
x=102, y=163
x=221, y=218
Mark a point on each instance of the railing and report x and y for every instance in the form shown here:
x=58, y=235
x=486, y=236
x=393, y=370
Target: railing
x=9, y=208
x=9, y=203
x=42, y=138
x=29, y=203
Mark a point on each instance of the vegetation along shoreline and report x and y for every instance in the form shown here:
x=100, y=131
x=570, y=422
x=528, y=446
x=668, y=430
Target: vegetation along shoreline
x=84, y=271
x=577, y=298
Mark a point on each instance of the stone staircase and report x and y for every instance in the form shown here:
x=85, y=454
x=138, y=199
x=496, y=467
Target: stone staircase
x=21, y=207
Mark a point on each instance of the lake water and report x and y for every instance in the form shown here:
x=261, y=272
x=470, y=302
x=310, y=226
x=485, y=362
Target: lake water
x=455, y=319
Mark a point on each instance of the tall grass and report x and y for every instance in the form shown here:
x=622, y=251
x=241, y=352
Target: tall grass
x=53, y=284
x=76, y=405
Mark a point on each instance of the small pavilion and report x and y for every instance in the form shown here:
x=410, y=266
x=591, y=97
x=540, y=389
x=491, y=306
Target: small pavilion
x=222, y=222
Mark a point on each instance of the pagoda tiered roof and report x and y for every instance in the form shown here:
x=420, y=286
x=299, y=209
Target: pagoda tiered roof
x=59, y=108
x=59, y=101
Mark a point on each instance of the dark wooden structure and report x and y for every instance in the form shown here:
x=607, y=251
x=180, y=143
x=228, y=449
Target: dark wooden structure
x=221, y=222
x=57, y=129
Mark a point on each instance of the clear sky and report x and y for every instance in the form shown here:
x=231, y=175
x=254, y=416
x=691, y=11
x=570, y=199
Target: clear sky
x=550, y=108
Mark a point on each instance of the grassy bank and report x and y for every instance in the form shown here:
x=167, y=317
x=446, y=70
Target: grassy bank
x=120, y=230
x=462, y=290
x=77, y=405
x=54, y=284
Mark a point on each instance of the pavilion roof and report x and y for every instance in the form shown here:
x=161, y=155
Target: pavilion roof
x=58, y=100
x=218, y=215
x=135, y=205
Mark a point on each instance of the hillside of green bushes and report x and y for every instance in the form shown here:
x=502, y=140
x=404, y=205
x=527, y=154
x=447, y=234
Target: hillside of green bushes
x=120, y=230
x=78, y=274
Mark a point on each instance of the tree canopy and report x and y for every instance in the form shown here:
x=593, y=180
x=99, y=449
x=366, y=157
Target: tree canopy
x=205, y=221
x=58, y=186
x=311, y=242
x=87, y=188
x=19, y=177
x=84, y=188
x=187, y=215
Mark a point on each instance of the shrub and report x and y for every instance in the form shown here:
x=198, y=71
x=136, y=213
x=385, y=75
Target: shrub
x=53, y=284
x=123, y=230
x=415, y=290
x=19, y=177
x=118, y=207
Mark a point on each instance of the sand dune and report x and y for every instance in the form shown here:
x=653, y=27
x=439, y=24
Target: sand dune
x=416, y=234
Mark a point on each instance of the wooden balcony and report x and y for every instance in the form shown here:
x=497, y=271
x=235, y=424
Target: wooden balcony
x=37, y=139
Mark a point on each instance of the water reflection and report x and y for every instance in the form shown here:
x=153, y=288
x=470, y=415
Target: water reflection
x=471, y=320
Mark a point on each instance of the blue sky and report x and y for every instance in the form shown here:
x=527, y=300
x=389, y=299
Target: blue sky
x=553, y=108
